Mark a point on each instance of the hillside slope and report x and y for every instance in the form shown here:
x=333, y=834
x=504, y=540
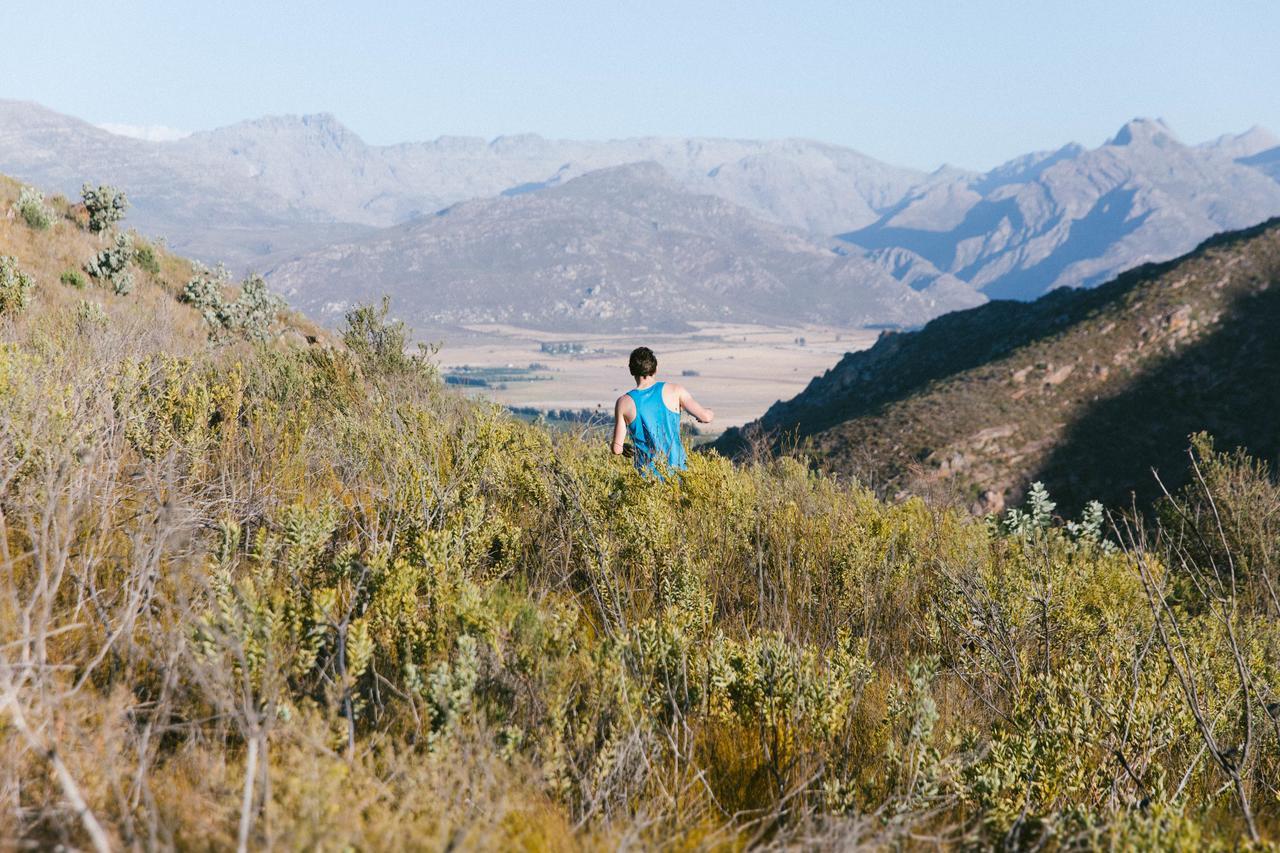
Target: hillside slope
x=268, y=592
x=150, y=317
x=621, y=248
x=1087, y=390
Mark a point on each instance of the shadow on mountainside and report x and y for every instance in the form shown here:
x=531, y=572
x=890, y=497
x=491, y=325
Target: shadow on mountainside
x=1228, y=385
x=900, y=365
x=1109, y=221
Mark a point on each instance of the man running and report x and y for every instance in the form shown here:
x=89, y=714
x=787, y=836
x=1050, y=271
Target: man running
x=651, y=416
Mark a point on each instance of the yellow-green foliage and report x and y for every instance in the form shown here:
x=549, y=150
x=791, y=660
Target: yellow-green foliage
x=15, y=286
x=310, y=598
x=31, y=207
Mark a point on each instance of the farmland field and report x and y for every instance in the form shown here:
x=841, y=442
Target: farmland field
x=737, y=370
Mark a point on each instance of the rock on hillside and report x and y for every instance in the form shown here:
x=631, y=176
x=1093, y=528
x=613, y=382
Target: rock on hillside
x=626, y=247
x=1076, y=217
x=1086, y=389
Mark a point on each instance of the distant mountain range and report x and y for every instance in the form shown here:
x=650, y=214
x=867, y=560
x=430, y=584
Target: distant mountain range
x=293, y=194
x=290, y=170
x=625, y=247
x=1076, y=217
x=1087, y=390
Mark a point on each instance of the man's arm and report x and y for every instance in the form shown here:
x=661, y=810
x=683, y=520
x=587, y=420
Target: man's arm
x=701, y=413
x=619, y=426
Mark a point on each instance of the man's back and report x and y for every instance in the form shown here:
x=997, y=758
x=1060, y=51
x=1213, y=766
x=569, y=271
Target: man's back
x=650, y=414
x=655, y=428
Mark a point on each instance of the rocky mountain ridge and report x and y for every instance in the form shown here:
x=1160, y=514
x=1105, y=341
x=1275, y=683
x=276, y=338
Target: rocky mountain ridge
x=1076, y=217
x=307, y=170
x=1087, y=390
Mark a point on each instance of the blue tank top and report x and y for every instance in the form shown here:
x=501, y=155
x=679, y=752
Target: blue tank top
x=655, y=432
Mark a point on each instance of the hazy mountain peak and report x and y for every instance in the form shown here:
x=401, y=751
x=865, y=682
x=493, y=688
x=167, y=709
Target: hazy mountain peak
x=519, y=143
x=451, y=143
x=145, y=132
x=1240, y=145
x=1028, y=167
x=326, y=122
x=949, y=172
x=311, y=128
x=1145, y=131
x=620, y=247
x=645, y=174
x=1075, y=217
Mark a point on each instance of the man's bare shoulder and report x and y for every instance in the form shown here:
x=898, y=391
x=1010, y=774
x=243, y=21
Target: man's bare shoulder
x=624, y=403
x=677, y=388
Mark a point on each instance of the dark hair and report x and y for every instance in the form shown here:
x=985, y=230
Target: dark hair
x=643, y=362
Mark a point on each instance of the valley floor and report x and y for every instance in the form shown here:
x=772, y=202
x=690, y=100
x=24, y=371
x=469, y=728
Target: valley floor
x=737, y=370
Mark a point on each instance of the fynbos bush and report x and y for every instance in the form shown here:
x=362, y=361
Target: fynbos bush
x=31, y=207
x=15, y=286
x=381, y=343
x=204, y=293
x=255, y=309
x=72, y=278
x=250, y=315
x=111, y=265
x=145, y=257
x=288, y=596
x=106, y=206
x=90, y=316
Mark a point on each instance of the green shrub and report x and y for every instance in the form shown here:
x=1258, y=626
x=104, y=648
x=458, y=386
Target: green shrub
x=15, y=286
x=255, y=309
x=295, y=596
x=111, y=265
x=106, y=206
x=72, y=278
x=90, y=316
x=1227, y=521
x=144, y=255
x=204, y=293
x=31, y=207
x=381, y=343
x=250, y=315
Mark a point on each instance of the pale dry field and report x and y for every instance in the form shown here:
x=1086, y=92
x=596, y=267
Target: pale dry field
x=742, y=369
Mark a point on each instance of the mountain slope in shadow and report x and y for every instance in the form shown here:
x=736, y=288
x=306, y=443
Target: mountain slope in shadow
x=1084, y=389
x=1227, y=385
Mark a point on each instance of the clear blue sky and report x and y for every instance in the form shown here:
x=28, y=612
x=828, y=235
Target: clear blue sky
x=912, y=82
